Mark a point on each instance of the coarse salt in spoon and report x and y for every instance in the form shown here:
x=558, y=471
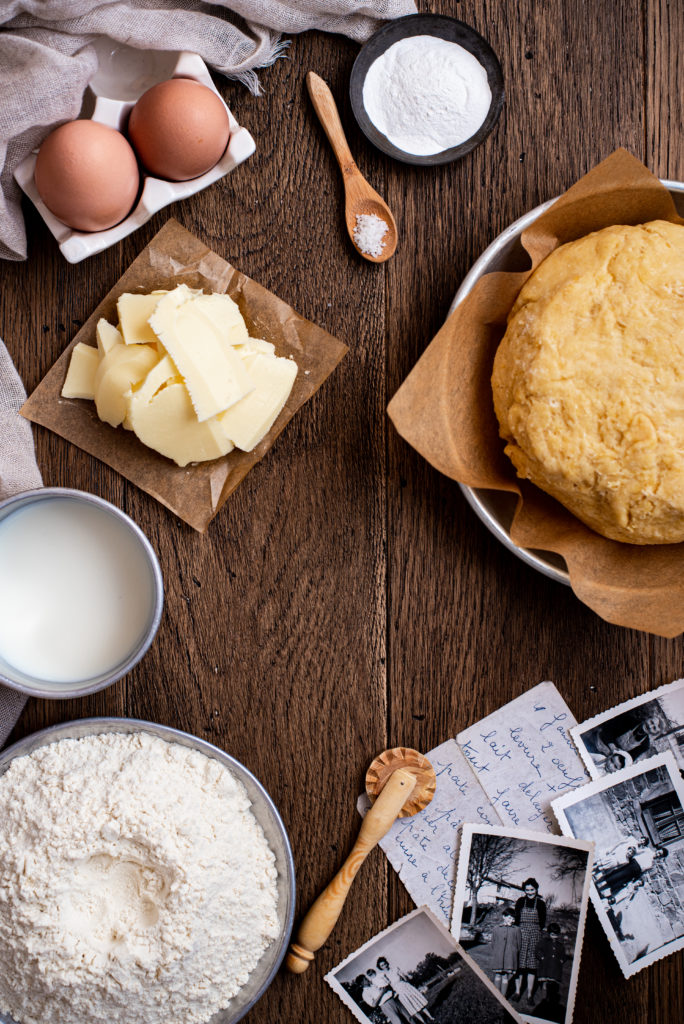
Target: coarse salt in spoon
x=370, y=223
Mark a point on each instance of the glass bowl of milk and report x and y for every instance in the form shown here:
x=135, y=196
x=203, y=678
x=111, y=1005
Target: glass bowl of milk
x=81, y=593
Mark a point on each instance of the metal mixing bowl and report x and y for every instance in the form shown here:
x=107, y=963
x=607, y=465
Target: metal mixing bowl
x=496, y=508
x=264, y=811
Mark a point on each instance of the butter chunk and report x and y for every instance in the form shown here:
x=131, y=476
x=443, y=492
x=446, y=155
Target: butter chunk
x=159, y=376
x=224, y=316
x=252, y=346
x=107, y=336
x=122, y=367
x=249, y=420
x=213, y=372
x=165, y=372
x=168, y=424
x=80, y=378
x=134, y=312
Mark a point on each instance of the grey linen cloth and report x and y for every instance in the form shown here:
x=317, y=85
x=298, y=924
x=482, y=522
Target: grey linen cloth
x=18, y=472
x=46, y=59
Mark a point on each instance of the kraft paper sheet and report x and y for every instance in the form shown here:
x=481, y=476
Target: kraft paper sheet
x=196, y=492
x=444, y=409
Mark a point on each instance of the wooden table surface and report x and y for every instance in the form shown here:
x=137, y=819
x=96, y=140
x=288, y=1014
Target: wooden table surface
x=346, y=598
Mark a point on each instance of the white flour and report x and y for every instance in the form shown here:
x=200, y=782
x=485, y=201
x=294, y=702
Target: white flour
x=426, y=94
x=135, y=884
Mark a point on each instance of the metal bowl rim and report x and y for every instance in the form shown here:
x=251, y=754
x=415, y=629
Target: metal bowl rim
x=473, y=494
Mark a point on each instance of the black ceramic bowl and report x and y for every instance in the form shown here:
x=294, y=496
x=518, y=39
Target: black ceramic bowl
x=426, y=25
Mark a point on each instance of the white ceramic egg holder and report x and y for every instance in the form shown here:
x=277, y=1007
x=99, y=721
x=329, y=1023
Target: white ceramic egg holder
x=129, y=73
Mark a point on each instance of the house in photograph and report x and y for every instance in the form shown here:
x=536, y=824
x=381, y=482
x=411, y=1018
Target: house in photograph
x=648, y=806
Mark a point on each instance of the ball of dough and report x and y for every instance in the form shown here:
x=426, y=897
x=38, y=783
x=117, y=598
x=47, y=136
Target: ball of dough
x=588, y=381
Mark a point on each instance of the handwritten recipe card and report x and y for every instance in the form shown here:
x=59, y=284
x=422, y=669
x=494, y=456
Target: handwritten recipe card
x=524, y=757
x=504, y=770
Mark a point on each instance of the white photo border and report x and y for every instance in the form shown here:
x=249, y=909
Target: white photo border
x=340, y=991
x=528, y=835
x=665, y=760
x=577, y=731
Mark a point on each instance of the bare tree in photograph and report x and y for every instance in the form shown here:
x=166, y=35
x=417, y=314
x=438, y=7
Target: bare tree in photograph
x=571, y=864
x=490, y=858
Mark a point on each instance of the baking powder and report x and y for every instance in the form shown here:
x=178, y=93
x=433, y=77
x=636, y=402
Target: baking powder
x=426, y=94
x=135, y=884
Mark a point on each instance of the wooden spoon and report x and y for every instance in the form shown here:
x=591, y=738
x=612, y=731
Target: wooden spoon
x=360, y=198
x=403, y=781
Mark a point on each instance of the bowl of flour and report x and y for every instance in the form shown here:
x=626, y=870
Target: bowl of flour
x=145, y=878
x=426, y=89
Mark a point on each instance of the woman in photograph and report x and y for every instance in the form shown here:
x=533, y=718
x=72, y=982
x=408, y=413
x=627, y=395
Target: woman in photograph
x=627, y=737
x=410, y=999
x=377, y=994
x=506, y=943
x=619, y=854
x=609, y=883
x=530, y=916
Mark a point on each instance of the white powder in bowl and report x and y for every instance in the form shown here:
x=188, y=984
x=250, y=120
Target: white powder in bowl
x=136, y=885
x=426, y=94
x=369, y=232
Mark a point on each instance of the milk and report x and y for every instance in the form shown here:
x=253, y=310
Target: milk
x=76, y=591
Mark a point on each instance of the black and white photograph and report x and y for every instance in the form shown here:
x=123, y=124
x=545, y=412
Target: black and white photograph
x=415, y=972
x=636, y=820
x=633, y=731
x=519, y=911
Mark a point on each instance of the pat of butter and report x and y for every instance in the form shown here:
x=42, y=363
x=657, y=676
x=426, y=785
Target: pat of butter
x=80, y=378
x=213, y=372
x=107, y=336
x=122, y=367
x=168, y=424
x=254, y=345
x=224, y=316
x=165, y=372
x=249, y=420
x=134, y=312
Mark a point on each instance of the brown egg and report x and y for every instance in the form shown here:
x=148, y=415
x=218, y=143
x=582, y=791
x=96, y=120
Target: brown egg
x=87, y=175
x=179, y=129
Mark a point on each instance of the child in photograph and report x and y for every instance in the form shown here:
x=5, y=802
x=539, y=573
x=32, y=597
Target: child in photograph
x=377, y=995
x=628, y=893
x=410, y=999
x=551, y=956
x=506, y=944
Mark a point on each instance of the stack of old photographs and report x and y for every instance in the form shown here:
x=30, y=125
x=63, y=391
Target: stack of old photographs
x=634, y=814
x=484, y=858
x=416, y=971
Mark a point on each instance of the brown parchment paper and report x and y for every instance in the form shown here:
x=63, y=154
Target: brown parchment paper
x=195, y=493
x=445, y=410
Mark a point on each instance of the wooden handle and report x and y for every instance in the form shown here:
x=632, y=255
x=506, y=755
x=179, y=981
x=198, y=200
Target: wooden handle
x=323, y=915
x=326, y=108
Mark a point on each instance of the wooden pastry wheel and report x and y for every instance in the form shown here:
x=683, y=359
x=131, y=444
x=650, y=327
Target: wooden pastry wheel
x=400, y=782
